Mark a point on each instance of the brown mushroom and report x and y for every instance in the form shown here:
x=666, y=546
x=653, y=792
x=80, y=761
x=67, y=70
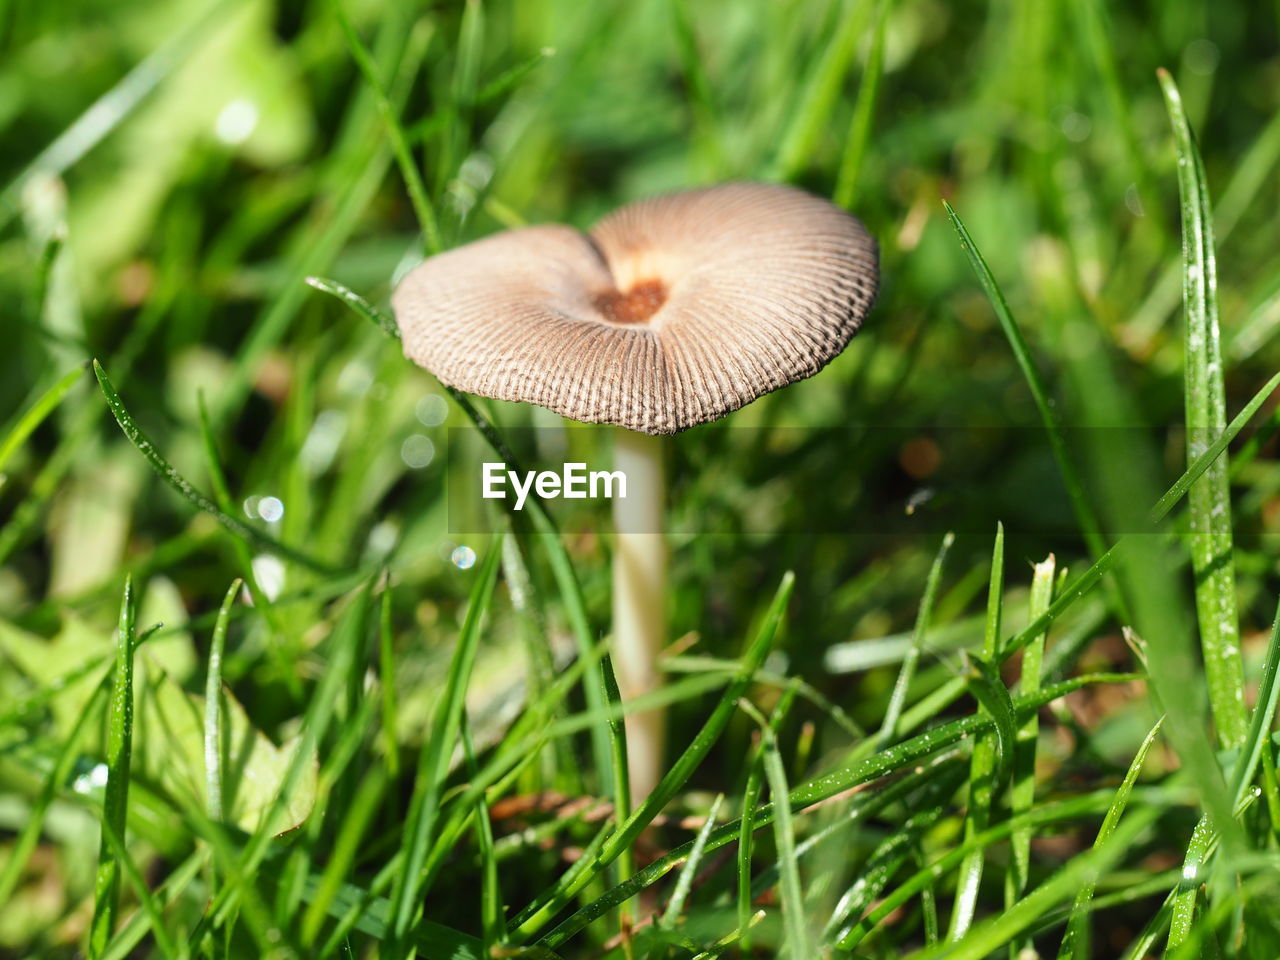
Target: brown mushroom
x=670, y=313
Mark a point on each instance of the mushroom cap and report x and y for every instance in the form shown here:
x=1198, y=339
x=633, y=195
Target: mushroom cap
x=671, y=312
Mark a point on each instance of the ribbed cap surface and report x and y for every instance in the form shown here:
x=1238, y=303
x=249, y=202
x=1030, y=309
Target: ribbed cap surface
x=672, y=312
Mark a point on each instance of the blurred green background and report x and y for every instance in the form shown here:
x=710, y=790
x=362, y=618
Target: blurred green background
x=175, y=170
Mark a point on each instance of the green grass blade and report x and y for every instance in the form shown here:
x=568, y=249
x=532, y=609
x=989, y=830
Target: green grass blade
x=684, y=881
x=136, y=927
x=511, y=78
x=115, y=804
x=821, y=91
x=1022, y=796
x=1085, y=514
x=894, y=852
x=491, y=907
x=169, y=475
x=1183, y=916
x=793, y=913
x=611, y=695
x=213, y=746
x=344, y=643
x=693, y=755
x=357, y=303
x=355, y=823
x=1264, y=714
x=433, y=764
x=728, y=940
x=1075, y=943
x=422, y=206
x=129, y=870
x=706, y=136
x=864, y=110
x=987, y=688
x=387, y=678
x=746, y=832
x=36, y=413
x=1214, y=451
x=982, y=766
x=898, y=698
x=261, y=602
x=1210, y=496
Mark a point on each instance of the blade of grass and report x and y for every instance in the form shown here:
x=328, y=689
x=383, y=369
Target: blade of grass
x=793, y=913
x=136, y=927
x=746, y=833
x=422, y=207
x=169, y=475
x=35, y=414
x=984, y=683
x=350, y=179
x=1202, y=463
x=129, y=870
x=1023, y=795
x=706, y=136
x=1075, y=943
x=115, y=804
x=729, y=939
x=261, y=602
x=1264, y=714
x=387, y=676
x=346, y=847
x=1085, y=515
x=820, y=92
x=611, y=695
x=1210, y=496
x=692, y=756
x=511, y=78
x=983, y=762
x=213, y=706
x=1183, y=915
x=490, y=890
x=864, y=110
x=433, y=762
x=896, y=850
x=897, y=699
x=346, y=639
x=689, y=872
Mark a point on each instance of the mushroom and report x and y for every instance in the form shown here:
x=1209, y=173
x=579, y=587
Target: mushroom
x=671, y=312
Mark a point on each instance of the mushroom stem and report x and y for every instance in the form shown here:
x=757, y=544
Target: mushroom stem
x=639, y=598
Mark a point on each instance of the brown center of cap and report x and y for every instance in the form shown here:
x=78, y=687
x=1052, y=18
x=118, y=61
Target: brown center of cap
x=636, y=305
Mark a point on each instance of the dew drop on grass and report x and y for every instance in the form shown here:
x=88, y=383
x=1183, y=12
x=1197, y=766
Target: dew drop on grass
x=463, y=557
x=271, y=509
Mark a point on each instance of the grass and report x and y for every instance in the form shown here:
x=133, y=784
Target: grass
x=889, y=736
